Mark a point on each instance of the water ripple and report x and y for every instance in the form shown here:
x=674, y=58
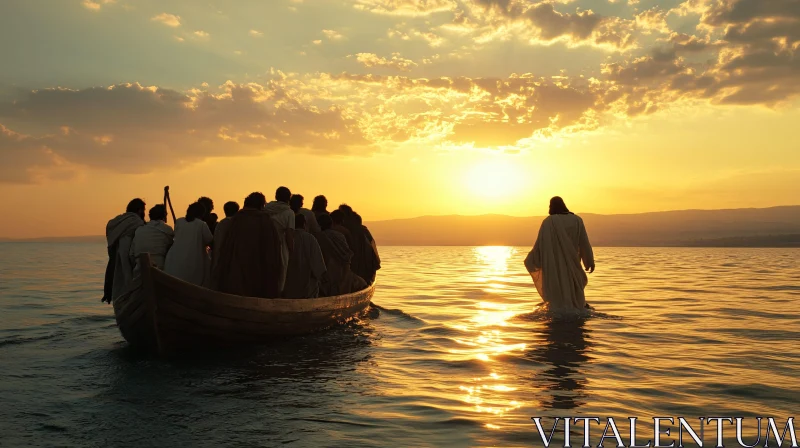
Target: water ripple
x=455, y=351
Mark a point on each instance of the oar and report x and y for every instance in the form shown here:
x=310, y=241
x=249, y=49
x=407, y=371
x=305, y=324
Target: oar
x=167, y=200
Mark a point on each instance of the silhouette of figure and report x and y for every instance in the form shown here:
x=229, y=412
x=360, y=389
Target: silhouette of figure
x=365, y=255
x=209, y=217
x=306, y=264
x=119, y=235
x=283, y=216
x=565, y=350
x=188, y=259
x=555, y=260
x=320, y=206
x=250, y=261
x=296, y=204
x=337, y=256
x=230, y=208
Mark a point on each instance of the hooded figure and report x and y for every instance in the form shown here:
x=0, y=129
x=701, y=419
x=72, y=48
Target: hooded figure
x=283, y=217
x=249, y=262
x=306, y=266
x=365, y=261
x=337, y=256
x=119, y=235
x=555, y=260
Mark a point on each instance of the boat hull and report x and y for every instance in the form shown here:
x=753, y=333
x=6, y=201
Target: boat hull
x=163, y=314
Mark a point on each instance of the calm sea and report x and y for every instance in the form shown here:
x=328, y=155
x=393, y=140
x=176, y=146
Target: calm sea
x=452, y=354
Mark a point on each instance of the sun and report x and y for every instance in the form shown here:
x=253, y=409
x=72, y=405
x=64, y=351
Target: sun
x=494, y=178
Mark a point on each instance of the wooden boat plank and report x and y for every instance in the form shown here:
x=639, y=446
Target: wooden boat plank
x=280, y=324
x=166, y=314
x=247, y=315
x=252, y=303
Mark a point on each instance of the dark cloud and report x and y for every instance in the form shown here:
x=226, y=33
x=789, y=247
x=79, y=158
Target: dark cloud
x=752, y=56
x=128, y=128
x=24, y=159
x=543, y=22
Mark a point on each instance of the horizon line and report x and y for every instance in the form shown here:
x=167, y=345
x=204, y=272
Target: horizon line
x=12, y=239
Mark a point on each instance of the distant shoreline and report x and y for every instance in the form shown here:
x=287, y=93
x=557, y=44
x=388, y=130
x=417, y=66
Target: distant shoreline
x=761, y=242
x=772, y=227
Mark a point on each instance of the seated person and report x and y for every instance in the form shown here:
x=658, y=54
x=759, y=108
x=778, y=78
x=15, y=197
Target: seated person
x=119, y=235
x=365, y=256
x=296, y=203
x=230, y=208
x=250, y=262
x=154, y=238
x=337, y=217
x=337, y=256
x=319, y=206
x=209, y=217
x=188, y=258
x=306, y=265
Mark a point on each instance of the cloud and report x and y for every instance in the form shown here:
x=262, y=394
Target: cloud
x=480, y=112
x=25, y=159
x=95, y=5
x=400, y=31
x=396, y=62
x=333, y=35
x=654, y=19
x=726, y=52
x=201, y=34
x=538, y=21
x=753, y=56
x=167, y=19
x=255, y=33
x=128, y=128
x=405, y=7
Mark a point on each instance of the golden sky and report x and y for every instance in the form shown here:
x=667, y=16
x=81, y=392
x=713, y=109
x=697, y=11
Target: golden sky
x=400, y=108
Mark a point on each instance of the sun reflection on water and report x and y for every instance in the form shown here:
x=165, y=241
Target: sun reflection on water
x=484, y=338
x=493, y=261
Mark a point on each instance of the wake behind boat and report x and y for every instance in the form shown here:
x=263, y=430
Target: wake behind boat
x=164, y=314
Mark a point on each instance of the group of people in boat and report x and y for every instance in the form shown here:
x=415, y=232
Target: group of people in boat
x=271, y=250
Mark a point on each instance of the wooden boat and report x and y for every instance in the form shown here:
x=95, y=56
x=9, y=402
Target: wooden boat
x=161, y=313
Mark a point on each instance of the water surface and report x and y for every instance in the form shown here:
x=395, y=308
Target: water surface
x=452, y=354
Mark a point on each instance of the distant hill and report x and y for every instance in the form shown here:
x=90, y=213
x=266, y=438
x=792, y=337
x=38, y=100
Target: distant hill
x=774, y=227
x=751, y=227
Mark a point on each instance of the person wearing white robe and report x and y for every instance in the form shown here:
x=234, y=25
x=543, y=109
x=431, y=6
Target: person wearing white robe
x=154, y=238
x=306, y=264
x=188, y=259
x=283, y=217
x=555, y=260
x=119, y=234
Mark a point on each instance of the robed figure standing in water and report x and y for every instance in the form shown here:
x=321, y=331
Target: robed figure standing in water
x=555, y=261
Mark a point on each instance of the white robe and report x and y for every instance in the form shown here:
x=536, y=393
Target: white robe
x=154, y=238
x=283, y=217
x=555, y=262
x=119, y=233
x=188, y=259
